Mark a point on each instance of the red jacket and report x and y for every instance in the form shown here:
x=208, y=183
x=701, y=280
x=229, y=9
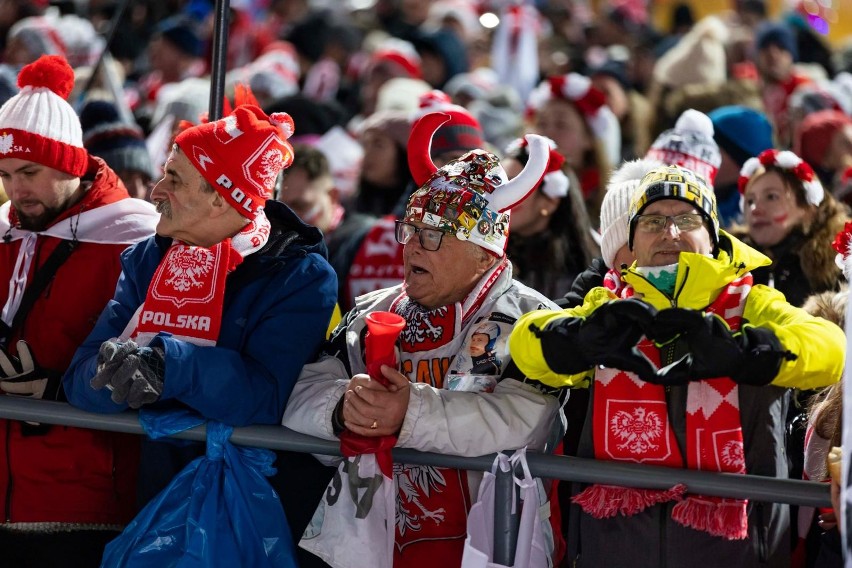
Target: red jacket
x=68, y=475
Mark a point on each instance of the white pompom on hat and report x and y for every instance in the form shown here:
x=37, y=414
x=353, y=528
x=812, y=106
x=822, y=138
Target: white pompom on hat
x=38, y=124
x=689, y=144
x=616, y=203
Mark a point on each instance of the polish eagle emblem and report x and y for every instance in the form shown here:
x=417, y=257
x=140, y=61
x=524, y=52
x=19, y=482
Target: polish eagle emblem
x=733, y=455
x=638, y=431
x=187, y=267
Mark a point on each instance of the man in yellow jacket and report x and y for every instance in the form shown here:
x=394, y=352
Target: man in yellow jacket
x=688, y=368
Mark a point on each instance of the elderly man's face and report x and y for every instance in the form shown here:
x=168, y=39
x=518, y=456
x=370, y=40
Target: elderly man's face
x=38, y=193
x=182, y=200
x=444, y=276
x=664, y=248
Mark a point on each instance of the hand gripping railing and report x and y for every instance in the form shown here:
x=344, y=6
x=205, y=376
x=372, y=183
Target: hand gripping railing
x=735, y=486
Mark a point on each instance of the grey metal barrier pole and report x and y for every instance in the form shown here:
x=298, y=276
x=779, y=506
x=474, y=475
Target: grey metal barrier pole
x=505, y=517
x=753, y=487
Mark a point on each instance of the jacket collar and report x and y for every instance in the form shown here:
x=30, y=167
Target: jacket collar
x=700, y=278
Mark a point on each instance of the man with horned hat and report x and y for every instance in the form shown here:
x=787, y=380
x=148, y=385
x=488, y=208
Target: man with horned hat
x=457, y=278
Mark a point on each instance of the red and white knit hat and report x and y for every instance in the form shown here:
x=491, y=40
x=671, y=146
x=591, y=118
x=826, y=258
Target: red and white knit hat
x=843, y=245
x=689, y=144
x=241, y=155
x=401, y=53
x=555, y=183
x=38, y=124
x=785, y=160
x=590, y=101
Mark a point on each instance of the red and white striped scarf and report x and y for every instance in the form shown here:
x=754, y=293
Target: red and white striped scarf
x=631, y=423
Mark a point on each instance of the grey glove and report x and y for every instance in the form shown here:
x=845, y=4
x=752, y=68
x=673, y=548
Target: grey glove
x=134, y=374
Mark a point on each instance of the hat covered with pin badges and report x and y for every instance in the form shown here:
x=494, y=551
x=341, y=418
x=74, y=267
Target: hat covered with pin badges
x=470, y=197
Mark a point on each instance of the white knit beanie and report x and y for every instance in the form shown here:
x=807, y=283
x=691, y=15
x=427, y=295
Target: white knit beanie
x=616, y=202
x=38, y=124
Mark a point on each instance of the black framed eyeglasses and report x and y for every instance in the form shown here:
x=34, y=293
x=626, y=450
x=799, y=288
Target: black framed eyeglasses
x=430, y=239
x=658, y=223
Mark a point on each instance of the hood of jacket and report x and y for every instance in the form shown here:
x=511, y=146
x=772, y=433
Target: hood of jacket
x=700, y=278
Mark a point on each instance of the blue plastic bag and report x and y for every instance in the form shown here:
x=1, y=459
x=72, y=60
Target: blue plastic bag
x=219, y=511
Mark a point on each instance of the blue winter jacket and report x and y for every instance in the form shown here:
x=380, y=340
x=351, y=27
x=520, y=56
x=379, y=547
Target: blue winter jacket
x=277, y=307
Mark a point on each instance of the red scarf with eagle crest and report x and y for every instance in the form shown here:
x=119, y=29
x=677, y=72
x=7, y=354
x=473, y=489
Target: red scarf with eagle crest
x=187, y=292
x=631, y=423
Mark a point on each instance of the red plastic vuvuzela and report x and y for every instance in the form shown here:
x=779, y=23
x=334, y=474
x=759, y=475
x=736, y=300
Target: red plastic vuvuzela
x=383, y=329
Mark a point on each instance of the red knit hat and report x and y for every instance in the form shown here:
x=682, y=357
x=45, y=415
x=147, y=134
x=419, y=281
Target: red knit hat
x=241, y=155
x=816, y=134
x=38, y=124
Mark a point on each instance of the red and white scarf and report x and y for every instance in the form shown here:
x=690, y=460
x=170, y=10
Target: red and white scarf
x=378, y=262
x=631, y=423
x=122, y=222
x=186, y=295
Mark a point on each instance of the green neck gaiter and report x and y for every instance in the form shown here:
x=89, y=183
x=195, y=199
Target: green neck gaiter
x=662, y=277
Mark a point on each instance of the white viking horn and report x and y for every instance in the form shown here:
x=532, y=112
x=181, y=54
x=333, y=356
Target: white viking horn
x=518, y=188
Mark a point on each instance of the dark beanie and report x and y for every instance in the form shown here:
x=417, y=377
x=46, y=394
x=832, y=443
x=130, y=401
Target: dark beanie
x=771, y=33
x=310, y=116
x=119, y=143
x=447, y=46
x=182, y=32
x=740, y=131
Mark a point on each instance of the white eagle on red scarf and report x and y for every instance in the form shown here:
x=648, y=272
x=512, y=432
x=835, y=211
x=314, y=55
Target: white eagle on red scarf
x=638, y=429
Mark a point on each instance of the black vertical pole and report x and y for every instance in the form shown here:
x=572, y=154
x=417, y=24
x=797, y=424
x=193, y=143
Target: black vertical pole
x=219, y=59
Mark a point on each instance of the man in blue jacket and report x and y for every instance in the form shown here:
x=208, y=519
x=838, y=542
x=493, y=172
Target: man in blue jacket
x=219, y=311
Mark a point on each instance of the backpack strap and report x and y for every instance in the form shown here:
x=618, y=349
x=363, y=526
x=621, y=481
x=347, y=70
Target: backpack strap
x=41, y=279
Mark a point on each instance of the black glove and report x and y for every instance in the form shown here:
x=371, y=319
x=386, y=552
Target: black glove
x=134, y=374
x=606, y=337
x=610, y=334
x=560, y=346
x=23, y=376
x=696, y=346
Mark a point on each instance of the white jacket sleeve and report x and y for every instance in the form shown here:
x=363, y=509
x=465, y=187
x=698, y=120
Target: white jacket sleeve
x=314, y=396
x=473, y=424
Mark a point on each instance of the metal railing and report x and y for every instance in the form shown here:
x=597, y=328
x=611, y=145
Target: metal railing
x=566, y=468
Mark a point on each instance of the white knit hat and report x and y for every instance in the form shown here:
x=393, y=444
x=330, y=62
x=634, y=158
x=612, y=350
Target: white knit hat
x=38, y=124
x=616, y=202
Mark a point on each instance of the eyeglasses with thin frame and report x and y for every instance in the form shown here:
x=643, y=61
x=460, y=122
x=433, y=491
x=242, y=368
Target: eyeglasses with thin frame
x=658, y=223
x=430, y=239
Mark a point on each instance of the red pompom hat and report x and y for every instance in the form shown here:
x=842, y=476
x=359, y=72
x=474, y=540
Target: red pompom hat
x=241, y=155
x=38, y=124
